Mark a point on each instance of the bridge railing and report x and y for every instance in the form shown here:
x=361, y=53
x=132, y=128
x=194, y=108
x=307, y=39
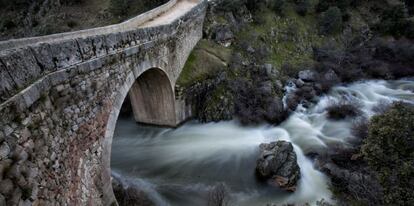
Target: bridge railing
x=22, y=68
x=124, y=26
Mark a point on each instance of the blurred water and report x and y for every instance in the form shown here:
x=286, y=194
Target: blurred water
x=179, y=166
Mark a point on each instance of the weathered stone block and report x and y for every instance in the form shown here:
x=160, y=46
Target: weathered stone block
x=22, y=67
x=7, y=85
x=66, y=53
x=4, y=150
x=6, y=187
x=44, y=58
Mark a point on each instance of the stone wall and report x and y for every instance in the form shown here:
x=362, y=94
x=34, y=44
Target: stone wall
x=60, y=102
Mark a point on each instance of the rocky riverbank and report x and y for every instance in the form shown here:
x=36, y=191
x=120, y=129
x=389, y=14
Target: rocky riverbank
x=264, y=61
x=243, y=76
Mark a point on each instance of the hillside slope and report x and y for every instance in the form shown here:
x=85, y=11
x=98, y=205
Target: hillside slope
x=26, y=18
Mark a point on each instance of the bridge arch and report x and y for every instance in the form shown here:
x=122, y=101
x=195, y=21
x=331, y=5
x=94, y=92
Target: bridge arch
x=153, y=102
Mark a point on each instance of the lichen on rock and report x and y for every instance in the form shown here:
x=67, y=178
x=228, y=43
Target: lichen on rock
x=278, y=165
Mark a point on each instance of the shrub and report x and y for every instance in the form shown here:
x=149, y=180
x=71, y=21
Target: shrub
x=409, y=31
x=255, y=5
x=410, y=6
x=359, y=128
x=303, y=7
x=72, y=23
x=331, y=21
x=8, y=24
x=119, y=7
x=230, y=5
x=342, y=110
x=394, y=21
x=324, y=5
x=71, y=2
x=279, y=6
x=389, y=150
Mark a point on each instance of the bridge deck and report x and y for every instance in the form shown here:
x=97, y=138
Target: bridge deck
x=179, y=9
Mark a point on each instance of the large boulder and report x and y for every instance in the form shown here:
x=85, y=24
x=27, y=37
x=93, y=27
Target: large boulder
x=223, y=35
x=308, y=75
x=278, y=165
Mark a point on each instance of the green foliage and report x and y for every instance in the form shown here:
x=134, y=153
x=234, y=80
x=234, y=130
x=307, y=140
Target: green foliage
x=331, y=21
x=206, y=59
x=389, y=150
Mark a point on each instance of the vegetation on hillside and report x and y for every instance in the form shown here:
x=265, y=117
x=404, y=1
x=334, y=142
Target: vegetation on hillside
x=25, y=18
x=336, y=41
x=313, y=45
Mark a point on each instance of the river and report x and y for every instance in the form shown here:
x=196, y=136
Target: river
x=180, y=166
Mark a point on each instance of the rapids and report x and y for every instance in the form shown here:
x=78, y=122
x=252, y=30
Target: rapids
x=180, y=166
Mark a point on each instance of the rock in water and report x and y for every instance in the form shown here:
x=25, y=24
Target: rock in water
x=308, y=75
x=129, y=195
x=278, y=164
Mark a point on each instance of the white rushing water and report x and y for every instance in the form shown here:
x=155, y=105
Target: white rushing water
x=179, y=166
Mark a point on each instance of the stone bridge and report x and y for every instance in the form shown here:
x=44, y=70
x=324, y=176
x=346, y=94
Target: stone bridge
x=60, y=96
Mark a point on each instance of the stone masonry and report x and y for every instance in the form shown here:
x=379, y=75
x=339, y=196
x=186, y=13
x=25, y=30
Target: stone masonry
x=59, y=103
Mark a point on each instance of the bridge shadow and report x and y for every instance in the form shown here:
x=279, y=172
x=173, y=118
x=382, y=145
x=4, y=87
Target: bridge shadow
x=152, y=98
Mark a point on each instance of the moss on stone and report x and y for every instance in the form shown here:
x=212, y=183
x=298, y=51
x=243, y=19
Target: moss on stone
x=206, y=59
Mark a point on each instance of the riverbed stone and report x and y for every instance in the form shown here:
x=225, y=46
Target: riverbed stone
x=2, y=200
x=128, y=194
x=278, y=165
x=6, y=187
x=307, y=75
x=4, y=150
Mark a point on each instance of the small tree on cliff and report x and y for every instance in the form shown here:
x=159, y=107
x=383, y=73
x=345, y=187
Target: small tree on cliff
x=331, y=21
x=119, y=7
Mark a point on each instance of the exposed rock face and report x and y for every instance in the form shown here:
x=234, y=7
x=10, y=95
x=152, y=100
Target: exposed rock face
x=278, y=164
x=223, y=35
x=252, y=97
x=307, y=75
